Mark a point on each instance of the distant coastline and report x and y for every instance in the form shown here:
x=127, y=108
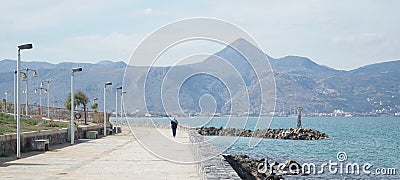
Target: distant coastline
x=267, y=116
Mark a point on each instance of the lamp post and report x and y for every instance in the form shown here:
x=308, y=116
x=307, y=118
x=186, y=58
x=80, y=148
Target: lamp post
x=6, y=93
x=55, y=110
x=34, y=74
x=104, y=112
x=122, y=99
x=20, y=47
x=40, y=97
x=48, y=96
x=15, y=92
x=54, y=104
x=95, y=102
x=72, y=127
x=24, y=92
x=116, y=103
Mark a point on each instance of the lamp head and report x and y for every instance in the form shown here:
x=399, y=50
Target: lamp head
x=34, y=74
x=76, y=69
x=108, y=84
x=24, y=76
x=25, y=46
x=119, y=87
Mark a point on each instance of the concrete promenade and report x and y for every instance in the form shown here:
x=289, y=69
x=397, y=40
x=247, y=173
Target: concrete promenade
x=113, y=157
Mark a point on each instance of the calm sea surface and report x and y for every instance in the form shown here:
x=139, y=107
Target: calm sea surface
x=364, y=140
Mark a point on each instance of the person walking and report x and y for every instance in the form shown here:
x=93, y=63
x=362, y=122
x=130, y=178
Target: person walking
x=174, y=125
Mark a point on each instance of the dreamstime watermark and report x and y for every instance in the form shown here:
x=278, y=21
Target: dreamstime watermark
x=339, y=167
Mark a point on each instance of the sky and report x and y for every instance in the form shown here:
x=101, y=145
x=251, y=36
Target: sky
x=339, y=34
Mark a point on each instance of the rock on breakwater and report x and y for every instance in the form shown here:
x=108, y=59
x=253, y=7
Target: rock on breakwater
x=261, y=169
x=291, y=133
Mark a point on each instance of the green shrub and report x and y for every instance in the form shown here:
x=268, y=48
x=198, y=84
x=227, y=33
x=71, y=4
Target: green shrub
x=3, y=155
x=25, y=150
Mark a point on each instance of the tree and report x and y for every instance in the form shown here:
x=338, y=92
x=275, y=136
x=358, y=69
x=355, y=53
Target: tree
x=95, y=106
x=80, y=98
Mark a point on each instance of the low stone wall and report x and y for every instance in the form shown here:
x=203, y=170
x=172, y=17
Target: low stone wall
x=8, y=142
x=292, y=134
x=215, y=168
x=81, y=133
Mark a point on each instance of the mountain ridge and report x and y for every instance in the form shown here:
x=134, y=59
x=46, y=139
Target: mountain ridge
x=299, y=82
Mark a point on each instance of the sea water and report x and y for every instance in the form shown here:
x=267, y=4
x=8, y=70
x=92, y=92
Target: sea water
x=372, y=140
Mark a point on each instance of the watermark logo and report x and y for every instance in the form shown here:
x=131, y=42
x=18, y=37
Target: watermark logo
x=341, y=156
x=332, y=167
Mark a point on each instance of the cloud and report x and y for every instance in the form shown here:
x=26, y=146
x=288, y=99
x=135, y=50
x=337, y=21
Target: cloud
x=151, y=12
x=113, y=46
x=359, y=38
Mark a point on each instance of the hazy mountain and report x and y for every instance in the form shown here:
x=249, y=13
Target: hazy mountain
x=225, y=82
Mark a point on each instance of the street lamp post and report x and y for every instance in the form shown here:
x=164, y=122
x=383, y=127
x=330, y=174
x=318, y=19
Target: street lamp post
x=122, y=99
x=20, y=47
x=95, y=102
x=40, y=97
x=24, y=92
x=116, y=105
x=104, y=112
x=34, y=74
x=15, y=92
x=72, y=127
x=54, y=104
x=6, y=93
x=48, y=96
x=55, y=110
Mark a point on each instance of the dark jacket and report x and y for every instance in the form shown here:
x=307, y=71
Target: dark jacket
x=174, y=124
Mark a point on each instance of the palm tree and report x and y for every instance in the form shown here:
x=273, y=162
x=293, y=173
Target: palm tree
x=80, y=98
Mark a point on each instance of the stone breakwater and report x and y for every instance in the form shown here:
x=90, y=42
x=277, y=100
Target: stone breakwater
x=292, y=134
x=261, y=169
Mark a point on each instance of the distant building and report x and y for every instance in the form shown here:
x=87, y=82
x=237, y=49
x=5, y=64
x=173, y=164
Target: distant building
x=338, y=112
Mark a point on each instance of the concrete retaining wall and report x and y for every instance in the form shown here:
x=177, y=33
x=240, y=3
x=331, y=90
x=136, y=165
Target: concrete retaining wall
x=81, y=133
x=8, y=142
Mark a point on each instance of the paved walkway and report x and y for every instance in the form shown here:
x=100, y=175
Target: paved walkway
x=112, y=157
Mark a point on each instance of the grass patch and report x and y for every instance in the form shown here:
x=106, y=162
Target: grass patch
x=9, y=125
